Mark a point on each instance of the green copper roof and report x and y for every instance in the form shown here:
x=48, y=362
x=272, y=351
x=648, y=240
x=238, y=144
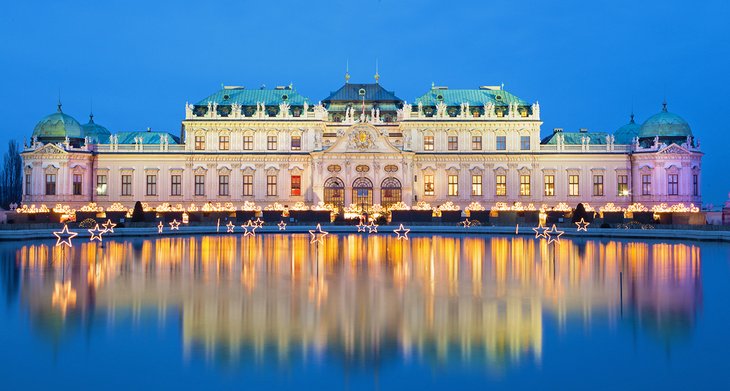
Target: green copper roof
x=475, y=97
x=626, y=133
x=147, y=137
x=96, y=133
x=244, y=97
x=574, y=138
x=351, y=92
x=665, y=124
x=58, y=126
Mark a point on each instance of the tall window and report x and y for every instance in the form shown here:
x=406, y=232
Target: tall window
x=623, y=185
x=673, y=184
x=101, y=185
x=28, y=183
x=501, y=185
x=525, y=143
x=271, y=185
x=77, y=180
x=646, y=184
x=50, y=184
x=501, y=143
x=428, y=186
x=126, y=185
x=453, y=185
x=573, y=185
x=695, y=185
x=428, y=143
x=223, y=181
x=524, y=185
x=296, y=185
x=151, y=185
x=199, y=143
x=476, y=185
x=476, y=143
x=296, y=143
x=200, y=185
x=453, y=143
x=598, y=185
x=549, y=185
x=271, y=143
x=247, y=143
x=248, y=185
x=176, y=185
x=224, y=143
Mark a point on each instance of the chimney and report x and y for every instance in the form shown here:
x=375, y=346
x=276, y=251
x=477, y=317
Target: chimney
x=583, y=130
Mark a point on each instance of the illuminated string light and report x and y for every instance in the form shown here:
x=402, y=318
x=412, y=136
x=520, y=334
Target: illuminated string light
x=582, y=225
x=540, y=232
x=361, y=227
x=317, y=234
x=372, y=227
x=218, y=225
x=109, y=226
x=553, y=234
x=402, y=232
x=96, y=233
x=160, y=226
x=174, y=225
x=517, y=229
x=249, y=229
x=258, y=223
x=282, y=225
x=466, y=223
x=230, y=226
x=63, y=237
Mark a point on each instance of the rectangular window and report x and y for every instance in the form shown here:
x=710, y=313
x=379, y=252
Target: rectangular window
x=224, y=143
x=476, y=185
x=101, y=186
x=695, y=185
x=573, y=185
x=453, y=143
x=248, y=185
x=476, y=143
x=176, y=185
x=296, y=143
x=77, y=180
x=27, y=184
x=151, y=185
x=524, y=185
x=271, y=143
x=673, y=184
x=598, y=185
x=501, y=185
x=200, y=185
x=50, y=184
x=296, y=185
x=223, y=185
x=646, y=185
x=549, y=185
x=199, y=143
x=525, y=143
x=623, y=185
x=126, y=185
x=453, y=185
x=428, y=143
x=501, y=143
x=271, y=185
x=428, y=187
x=247, y=143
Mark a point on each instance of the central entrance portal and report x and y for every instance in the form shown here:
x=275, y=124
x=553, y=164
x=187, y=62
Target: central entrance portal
x=362, y=193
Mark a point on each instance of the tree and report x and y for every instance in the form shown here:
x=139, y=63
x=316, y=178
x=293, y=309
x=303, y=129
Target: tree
x=11, y=185
x=580, y=213
x=138, y=212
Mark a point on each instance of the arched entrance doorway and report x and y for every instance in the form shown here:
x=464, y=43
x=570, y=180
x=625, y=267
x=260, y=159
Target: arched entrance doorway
x=362, y=193
x=334, y=192
x=390, y=191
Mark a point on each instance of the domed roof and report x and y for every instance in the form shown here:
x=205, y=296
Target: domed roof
x=626, y=133
x=96, y=133
x=58, y=126
x=665, y=124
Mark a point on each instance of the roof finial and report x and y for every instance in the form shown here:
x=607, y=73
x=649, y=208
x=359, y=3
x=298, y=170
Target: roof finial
x=59, y=101
x=347, y=71
x=664, y=105
x=377, y=75
x=91, y=110
x=632, y=117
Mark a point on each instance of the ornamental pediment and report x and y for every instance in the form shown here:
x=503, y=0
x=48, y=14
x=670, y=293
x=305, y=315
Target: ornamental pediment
x=362, y=138
x=49, y=149
x=674, y=149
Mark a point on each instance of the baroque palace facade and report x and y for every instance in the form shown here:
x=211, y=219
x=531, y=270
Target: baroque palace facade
x=362, y=145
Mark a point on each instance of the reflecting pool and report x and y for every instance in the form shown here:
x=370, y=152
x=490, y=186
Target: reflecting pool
x=362, y=312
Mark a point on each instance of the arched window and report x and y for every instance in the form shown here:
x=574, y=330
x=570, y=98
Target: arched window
x=362, y=192
x=334, y=192
x=390, y=191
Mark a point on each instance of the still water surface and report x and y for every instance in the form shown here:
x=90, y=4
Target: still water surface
x=361, y=312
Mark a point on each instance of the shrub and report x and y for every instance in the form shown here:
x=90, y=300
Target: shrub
x=138, y=213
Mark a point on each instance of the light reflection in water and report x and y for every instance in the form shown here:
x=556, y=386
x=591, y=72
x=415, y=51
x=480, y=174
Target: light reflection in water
x=367, y=297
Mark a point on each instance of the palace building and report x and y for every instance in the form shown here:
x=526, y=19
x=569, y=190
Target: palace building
x=362, y=145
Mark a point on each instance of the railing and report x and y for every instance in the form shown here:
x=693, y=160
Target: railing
x=140, y=148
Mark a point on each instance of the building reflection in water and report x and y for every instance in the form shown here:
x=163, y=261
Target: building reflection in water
x=364, y=299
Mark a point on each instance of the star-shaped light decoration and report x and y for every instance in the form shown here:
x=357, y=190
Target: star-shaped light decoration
x=109, y=226
x=361, y=227
x=64, y=237
x=230, y=226
x=582, y=225
x=540, y=231
x=402, y=232
x=160, y=226
x=249, y=229
x=282, y=225
x=174, y=225
x=96, y=233
x=258, y=222
x=317, y=234
x=372, y=227
x=466, y=223
x=553, y=234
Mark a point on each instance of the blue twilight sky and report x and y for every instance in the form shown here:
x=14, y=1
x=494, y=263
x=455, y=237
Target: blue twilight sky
x=586, y=62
